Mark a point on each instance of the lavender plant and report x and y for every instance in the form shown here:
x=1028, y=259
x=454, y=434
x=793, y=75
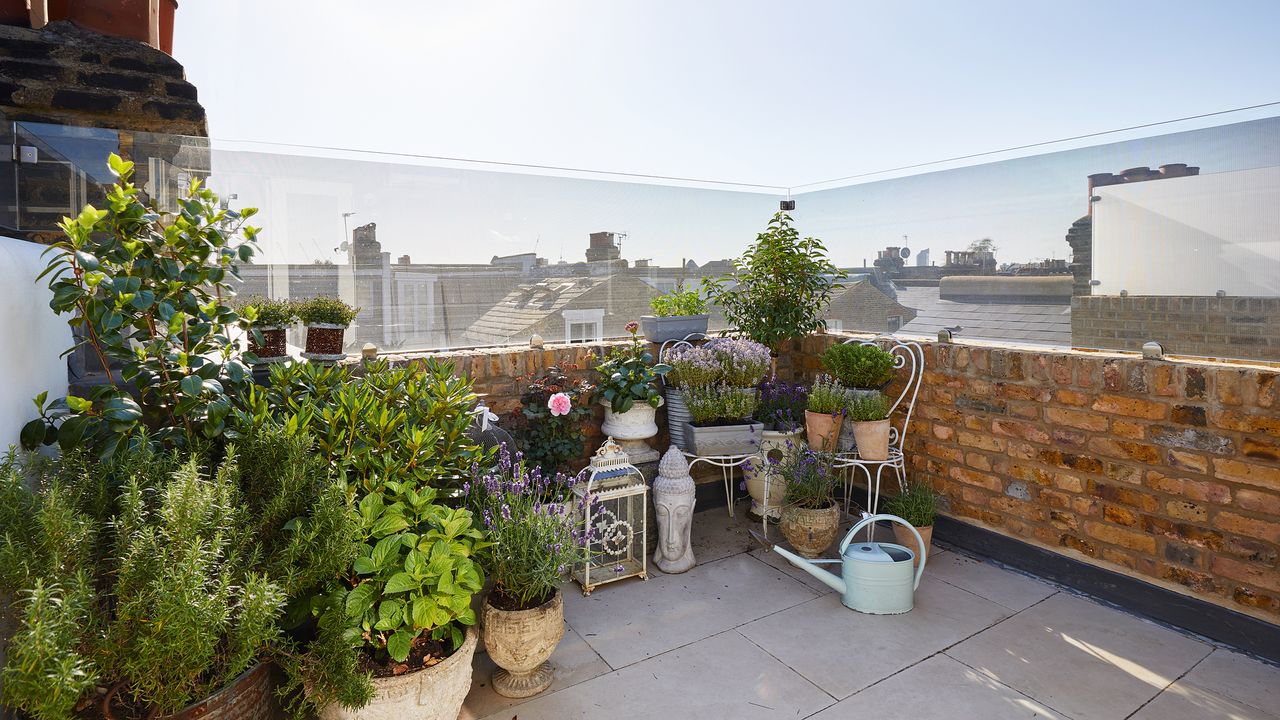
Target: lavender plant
x=534, y=542
x=695, y=366
x=782, y=405
x=827, y=396
x=720, y=404
x=745, y=362
x=810, y=475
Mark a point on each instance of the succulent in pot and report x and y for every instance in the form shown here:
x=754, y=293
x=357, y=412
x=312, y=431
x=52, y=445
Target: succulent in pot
x=811, y=518
x=825, y=413
x=269, y=322
x=677, y=314
x=869, y=415
x=918, y=505
x=781, y=409
x=534, y=544
x=326, y=319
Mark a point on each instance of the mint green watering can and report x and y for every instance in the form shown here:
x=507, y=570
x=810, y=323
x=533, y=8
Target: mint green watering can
x=876, y=577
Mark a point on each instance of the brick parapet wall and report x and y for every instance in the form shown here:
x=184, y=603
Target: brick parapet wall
x=1168, y=470
x=1243, y=327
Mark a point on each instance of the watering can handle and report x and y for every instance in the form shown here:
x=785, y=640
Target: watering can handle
x=891, y=518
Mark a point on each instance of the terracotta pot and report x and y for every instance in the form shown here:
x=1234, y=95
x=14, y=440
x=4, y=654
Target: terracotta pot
x=519, y=642
x=432, y=693
x=823, y=430
x=773, y=444
x=273, y=347
x=251, y=696
x=907, y=540
x=810, y=532
x=324, y=342
x=872, y=438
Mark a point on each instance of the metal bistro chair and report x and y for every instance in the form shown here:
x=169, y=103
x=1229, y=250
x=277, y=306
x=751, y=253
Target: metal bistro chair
x=909, y=355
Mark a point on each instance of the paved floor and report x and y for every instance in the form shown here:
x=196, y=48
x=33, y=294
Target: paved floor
x=744, y=635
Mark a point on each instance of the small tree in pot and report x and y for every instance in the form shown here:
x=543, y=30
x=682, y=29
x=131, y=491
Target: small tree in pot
x=780, y=288
x=917, y=505
x=326, y=320
x=811, y=517
x=534, y=544
x=676, y=315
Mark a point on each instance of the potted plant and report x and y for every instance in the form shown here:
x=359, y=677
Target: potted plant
x=676, y=315
x=781, y=409
x=269, y=322
x=718, y=384
x=863, y=369
x=917, y=505
x=629, y=396
x=404, y=606
x=780, y=288
x=825, y=413
x=869, y=415
x=534, y=544
x=326, y=320
x=811, y=517
x=691, y=366
x=549, y=423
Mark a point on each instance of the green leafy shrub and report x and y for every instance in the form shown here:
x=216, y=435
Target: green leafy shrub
x=678, y=301
x=868, y=408
x=628, y=375
x=780, y=288
x=551, y=439
x=148, y=291
x=917, y=505
x=827, y=396
x=720, y=404
x=263, y=312
x=327, y=310
x=859, y=366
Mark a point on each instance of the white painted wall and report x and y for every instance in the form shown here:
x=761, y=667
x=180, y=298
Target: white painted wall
x=32, y=336
x=1190, y=236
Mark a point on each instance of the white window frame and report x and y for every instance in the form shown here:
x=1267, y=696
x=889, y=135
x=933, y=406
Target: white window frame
x=594, y=318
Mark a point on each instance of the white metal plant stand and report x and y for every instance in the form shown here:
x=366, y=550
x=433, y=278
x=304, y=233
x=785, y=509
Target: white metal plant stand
x=614, y=504
x=909, y=355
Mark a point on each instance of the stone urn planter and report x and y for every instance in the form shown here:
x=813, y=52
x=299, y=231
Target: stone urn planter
x=273, y=348
x=810, y=532
x=251, y=696
x=872, y=439
x=907, y=540
x=519, y=642
x=822, y=430
x=739, y=439
x=324, y=342
x=432, y=693
x=631, y=428
x=773, y=444
x=660, y=329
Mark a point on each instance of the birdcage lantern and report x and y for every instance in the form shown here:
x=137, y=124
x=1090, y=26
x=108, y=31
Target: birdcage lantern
x=613, y=504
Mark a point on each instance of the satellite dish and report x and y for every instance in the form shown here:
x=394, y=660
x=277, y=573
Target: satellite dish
x=904, y=253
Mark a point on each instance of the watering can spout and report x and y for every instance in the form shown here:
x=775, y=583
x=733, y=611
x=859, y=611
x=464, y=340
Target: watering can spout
x=835, y=582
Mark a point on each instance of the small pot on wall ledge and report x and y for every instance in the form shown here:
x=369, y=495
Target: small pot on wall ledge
x=741, y=439
x=325, y=342
x=661, y=328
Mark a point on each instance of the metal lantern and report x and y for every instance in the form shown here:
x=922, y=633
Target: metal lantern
x=614, y=502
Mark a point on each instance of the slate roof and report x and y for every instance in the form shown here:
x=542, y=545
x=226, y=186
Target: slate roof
x=522, y=309
x=1015, y=323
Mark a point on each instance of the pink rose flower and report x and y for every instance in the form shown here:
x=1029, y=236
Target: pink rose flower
x=559, y=404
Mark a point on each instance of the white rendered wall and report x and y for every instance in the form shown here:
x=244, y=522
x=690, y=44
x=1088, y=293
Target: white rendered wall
x=33, y=338
x=1190, y=235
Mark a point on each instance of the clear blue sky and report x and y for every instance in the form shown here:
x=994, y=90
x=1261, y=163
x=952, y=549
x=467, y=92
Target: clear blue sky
x=777, y=93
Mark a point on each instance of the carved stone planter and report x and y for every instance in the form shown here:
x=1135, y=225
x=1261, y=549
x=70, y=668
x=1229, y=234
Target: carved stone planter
x=631, y=429
x=810, y=532
x=773, y=444
x=519, y=642
x=433, y=693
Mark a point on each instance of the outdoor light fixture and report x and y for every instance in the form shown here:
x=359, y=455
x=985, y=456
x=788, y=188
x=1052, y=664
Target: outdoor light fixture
x=786, y=205
x=1153, y=350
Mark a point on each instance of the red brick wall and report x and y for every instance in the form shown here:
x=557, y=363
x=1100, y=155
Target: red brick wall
x=1168, y=470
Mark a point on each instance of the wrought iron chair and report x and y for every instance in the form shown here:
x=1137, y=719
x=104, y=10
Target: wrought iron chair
x=908, y=355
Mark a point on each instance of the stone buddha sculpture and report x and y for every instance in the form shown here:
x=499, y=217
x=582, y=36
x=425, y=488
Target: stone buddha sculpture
x=673, y=499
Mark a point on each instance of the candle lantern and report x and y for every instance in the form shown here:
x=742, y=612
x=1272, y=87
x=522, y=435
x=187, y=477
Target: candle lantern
x=613, y=505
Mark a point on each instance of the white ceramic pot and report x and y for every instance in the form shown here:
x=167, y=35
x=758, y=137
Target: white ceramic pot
x=519, y=642
x=433, y=693
x=632, y=428
x=773, y=444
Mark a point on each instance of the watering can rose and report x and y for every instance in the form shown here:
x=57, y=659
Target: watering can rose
x=559, y=404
